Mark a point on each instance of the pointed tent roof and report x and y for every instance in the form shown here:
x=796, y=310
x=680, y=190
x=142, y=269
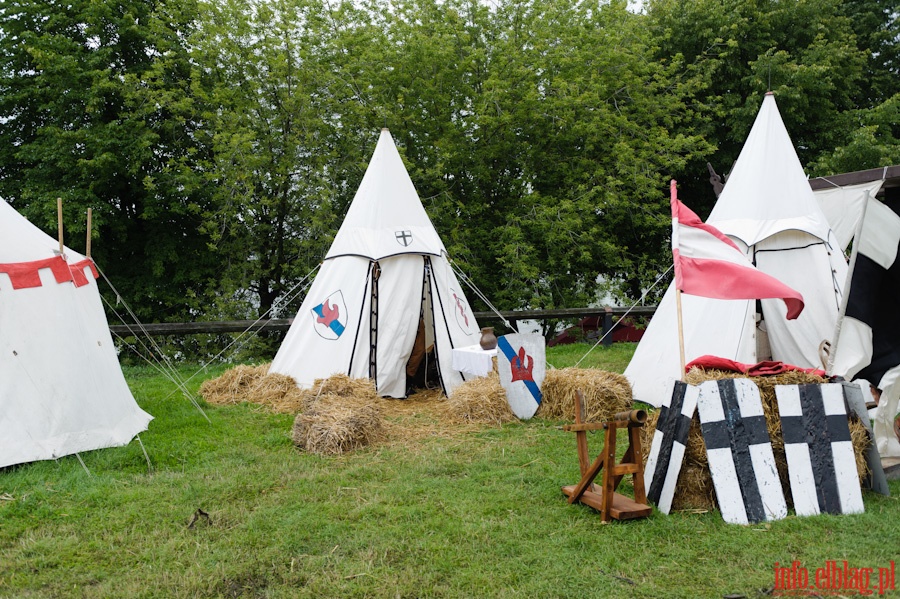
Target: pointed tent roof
x=386, y=217
x=751, y=205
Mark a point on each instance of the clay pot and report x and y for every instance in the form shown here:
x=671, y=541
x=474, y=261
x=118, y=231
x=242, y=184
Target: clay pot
x=488, y=339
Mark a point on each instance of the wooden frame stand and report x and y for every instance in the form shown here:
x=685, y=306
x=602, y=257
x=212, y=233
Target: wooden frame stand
x=605, y=499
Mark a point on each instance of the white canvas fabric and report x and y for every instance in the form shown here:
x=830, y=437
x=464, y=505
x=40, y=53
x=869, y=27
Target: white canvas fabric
x=386, y=217
x=61, y=388
x=768, y=209
x=752, y=204
x=842, y=206
x=386, y=248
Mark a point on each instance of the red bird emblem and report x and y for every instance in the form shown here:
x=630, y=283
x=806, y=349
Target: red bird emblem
x=329, y=314
x=522, y=366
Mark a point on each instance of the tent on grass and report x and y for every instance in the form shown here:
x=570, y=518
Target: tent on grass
x=768, y=209
x=385, y=279
x=61, y=388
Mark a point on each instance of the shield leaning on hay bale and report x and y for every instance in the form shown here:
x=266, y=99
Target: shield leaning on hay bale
x=694, y=489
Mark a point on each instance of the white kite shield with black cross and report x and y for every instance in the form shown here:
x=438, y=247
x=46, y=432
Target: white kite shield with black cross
x=522, y=365
x=739, y=451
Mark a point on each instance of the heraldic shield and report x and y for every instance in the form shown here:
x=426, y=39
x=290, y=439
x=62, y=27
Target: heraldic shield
x=522, y=364
x=330, y=317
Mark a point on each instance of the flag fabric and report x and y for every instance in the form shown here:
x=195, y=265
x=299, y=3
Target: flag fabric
x=868, y=345
x=709, y=264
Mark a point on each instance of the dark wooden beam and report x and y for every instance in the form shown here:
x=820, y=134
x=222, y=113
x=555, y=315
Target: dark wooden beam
x=283, y=324
x=857, y=177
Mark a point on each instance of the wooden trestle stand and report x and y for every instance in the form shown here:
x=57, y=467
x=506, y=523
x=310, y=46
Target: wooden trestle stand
x=605, y=499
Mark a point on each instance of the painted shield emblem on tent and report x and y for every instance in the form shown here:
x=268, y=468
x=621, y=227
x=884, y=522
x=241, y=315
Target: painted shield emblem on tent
x=464, y=317
x=404, y=238
x=330, y=317
x=522, y=364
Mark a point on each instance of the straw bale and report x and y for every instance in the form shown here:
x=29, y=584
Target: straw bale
x=695, y=490
x=480, y=400
x=339, y=385
x=605, y=393
x=253, y=384
x=335, y=424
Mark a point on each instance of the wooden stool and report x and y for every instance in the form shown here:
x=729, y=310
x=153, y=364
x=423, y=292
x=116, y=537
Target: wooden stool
x=605, y=499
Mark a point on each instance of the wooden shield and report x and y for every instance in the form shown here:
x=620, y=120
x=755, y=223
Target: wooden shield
x=668, y=445
x=821, y=462
x=740, y=453
x=522, y=364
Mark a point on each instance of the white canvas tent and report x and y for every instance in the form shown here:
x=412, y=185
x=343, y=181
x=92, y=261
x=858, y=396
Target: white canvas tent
x=386, y=269
x=768, y=209
x=61, y=387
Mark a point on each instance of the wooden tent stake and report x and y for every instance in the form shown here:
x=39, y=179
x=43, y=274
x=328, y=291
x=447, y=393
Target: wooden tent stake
x=609, y=503
x=59, y=225
x=87, y=244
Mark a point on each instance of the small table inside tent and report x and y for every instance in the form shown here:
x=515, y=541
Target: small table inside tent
x=474, y=360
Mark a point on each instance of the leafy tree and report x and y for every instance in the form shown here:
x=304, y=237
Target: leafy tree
x=259, y=72
x=537, y=134
x=805, y=51
x=96, y=108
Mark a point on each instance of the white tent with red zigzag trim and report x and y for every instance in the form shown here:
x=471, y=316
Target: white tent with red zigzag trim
x=61, y=388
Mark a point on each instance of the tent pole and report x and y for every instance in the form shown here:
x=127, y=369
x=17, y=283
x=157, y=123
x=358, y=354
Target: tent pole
x=680, y=332
x=88, y=242
x=845, y=295
x=59, y=224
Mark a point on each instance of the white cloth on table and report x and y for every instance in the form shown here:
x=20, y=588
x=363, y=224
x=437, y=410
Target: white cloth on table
x=473, y=360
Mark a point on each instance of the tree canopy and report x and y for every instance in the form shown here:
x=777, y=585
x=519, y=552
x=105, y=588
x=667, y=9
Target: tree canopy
x=220, y=142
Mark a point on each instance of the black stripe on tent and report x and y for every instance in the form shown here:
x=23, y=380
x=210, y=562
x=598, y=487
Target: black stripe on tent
x=373, y=325
x=435, y=293
x=738, y=433
x=674, y=427
x=359, y=323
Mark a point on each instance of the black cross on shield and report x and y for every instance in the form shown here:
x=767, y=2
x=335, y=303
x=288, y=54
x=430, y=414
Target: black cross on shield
x=404, y=238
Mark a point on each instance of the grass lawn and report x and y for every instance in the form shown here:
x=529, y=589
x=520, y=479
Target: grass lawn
x=463, y=512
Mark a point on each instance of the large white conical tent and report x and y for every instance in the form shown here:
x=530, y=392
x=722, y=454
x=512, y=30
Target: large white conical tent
x=61, y=387
x=386, y=270
x=768, y=208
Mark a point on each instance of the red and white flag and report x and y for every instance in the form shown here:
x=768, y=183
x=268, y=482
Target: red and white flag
x=709, y=264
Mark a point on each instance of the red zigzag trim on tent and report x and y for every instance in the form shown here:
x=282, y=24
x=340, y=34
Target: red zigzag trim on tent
x=25, y=275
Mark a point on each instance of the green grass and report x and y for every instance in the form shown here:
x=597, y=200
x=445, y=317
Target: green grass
x=479, y=514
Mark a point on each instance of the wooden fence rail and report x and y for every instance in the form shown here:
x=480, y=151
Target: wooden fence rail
x=283, y=324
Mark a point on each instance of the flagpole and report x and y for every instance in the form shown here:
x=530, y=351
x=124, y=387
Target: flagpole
x=680, y=331
x=673, y=198
x=845, y=294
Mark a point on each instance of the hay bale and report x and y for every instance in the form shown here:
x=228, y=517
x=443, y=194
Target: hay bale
x=253, y=384
x=694, y=489
x=339, y=385
x=605, y=394
x=480, y=400
x=335, y=424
